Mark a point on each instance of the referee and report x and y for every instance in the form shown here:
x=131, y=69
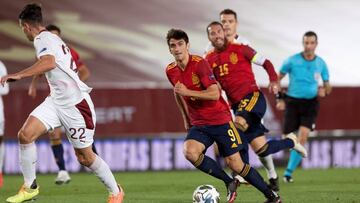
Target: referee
x=301, y=100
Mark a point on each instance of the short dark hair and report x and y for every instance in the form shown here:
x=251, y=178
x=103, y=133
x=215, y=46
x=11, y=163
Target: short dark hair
x=52, y=27
x=211, y=24
x=31, y=14
x=310, y=34
x=176, y=34
x=228, y=12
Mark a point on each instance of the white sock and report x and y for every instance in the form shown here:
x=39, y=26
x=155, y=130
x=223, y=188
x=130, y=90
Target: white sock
x=2, y=155
x=268, y=163
x=102, y=171
x=28, y=159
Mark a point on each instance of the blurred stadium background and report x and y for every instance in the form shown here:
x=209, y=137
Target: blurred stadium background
x=123, y=43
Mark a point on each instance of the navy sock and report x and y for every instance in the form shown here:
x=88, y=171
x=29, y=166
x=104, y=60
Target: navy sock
x=210, y=166
x=274, y=146
x=255, y=179
x=58, y=151
x=94, y=148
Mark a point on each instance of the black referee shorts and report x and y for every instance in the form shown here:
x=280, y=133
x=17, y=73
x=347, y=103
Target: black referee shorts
x=300, y=112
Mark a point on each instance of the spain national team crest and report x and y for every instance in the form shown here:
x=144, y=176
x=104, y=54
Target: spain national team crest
x=195, y=79
x=233, y=58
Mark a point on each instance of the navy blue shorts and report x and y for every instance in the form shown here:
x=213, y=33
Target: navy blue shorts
x=252, y=108
x=226, y=136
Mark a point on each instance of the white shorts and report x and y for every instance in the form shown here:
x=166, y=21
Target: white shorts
x=78, y=121
x=2, y=128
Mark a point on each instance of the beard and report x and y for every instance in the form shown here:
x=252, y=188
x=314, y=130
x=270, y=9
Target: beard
x=221, y=48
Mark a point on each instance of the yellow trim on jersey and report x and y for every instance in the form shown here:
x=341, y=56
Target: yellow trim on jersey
x=171, y=66
x=196, y=58
x=233, y=128
x=253, y=101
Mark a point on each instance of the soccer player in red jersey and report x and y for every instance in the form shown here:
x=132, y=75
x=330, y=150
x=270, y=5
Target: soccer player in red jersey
x=63, y=176
x=231, y=65
x=207, y=118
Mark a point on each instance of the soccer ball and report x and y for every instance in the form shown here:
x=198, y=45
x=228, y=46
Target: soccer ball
x=206, y=194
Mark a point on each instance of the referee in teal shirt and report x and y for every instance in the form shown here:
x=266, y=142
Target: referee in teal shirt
x=300, y=101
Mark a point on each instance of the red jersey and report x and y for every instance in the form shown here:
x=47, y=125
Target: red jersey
x=76, y=58
x=232, y=68
x=198, y=76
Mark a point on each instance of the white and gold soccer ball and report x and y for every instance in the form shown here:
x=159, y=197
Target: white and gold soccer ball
x=206, y=194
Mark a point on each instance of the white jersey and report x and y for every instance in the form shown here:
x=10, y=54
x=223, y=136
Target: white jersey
x=4, y=90
x=65, y=86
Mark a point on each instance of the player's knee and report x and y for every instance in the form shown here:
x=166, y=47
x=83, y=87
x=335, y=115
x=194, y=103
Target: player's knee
x=84, y=160
x=25, y=136
x=191, y=155
x=234, y=162
x=263, y=150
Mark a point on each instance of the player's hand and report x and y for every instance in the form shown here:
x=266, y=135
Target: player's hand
x=241, y=123
x=280, y=105
x=181, y=89
x=274, y=87
x=321, y=92
x=32, y=91
x=187, y=125
x=9, y=78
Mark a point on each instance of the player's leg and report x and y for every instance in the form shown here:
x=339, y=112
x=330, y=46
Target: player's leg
x=236, y=164
x=41, y=120
x=296, y=157
x=291, y=124
x=30, y=131
x=58, y=151
x=195, y=146
x=230, y=144
x=252, y=108
x=98, y=166
x=79, y=122
x=94, y=148
x=308, y=110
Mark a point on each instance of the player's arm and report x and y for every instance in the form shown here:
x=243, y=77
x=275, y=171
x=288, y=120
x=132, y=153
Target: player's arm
x=4, y=90
x=326, y=89
x=44, y=64
x=32, y=88
x=280, y=103
x=207, y=79
x=210, y=93
x=258, y=59
x=183, y=109
x=84, y=72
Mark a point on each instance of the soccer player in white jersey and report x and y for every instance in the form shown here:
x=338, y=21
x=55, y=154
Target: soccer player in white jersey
x=69, y=104
x=3, y=91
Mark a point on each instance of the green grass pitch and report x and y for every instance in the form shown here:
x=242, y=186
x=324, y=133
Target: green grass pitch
x=331, y=185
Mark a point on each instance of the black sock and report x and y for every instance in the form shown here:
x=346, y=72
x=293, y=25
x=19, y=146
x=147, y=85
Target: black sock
x=58, y=151
x=210, y=166
x=255, y=179
x=274, y=146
